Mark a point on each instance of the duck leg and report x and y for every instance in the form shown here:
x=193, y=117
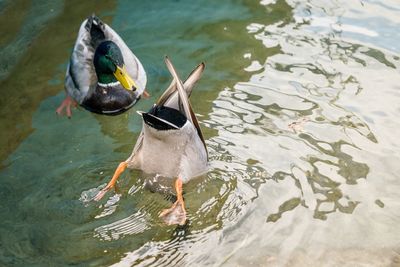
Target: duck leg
x=67, y=103
x=145, y=94
x=177, y=213
x=120, y=169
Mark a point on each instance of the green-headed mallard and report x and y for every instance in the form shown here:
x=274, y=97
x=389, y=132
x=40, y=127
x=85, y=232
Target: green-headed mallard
x=103, y=75
x=171, y=143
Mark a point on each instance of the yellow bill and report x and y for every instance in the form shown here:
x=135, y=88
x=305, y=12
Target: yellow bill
x=123, y=77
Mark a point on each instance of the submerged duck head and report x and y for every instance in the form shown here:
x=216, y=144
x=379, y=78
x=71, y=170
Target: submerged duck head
x=110, y=66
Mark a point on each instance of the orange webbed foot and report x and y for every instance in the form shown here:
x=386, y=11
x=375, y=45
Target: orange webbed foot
x=177, y=213
x=120, y=169
x=146, y=94
x=174, y=215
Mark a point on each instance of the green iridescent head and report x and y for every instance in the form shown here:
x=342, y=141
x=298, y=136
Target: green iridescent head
x=110, y=67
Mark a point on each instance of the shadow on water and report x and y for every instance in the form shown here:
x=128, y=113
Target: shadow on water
x=11, y=19
x=33, y=50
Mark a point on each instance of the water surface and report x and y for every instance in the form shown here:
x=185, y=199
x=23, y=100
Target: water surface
x=299, y=105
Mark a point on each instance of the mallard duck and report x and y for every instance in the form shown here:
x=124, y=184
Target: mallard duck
x=170, y=144
x=103, y=74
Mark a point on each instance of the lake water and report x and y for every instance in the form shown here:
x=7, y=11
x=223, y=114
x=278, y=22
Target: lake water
x=299, y=105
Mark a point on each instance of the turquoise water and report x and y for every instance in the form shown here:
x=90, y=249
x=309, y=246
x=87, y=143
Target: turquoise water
x=299, y=106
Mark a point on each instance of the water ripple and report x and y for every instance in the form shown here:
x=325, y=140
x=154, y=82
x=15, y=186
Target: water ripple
x=133, y=224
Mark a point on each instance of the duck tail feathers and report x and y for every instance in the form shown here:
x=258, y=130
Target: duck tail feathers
x=96, y=28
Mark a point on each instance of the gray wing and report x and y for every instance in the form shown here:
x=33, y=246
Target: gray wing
x=81, y=76
x=132, y=63
x=170, y=97
x=183, y=97
x=184, y=101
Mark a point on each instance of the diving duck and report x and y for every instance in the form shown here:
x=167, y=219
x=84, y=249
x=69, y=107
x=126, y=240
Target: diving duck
x=103, y=74
x=170, y=144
